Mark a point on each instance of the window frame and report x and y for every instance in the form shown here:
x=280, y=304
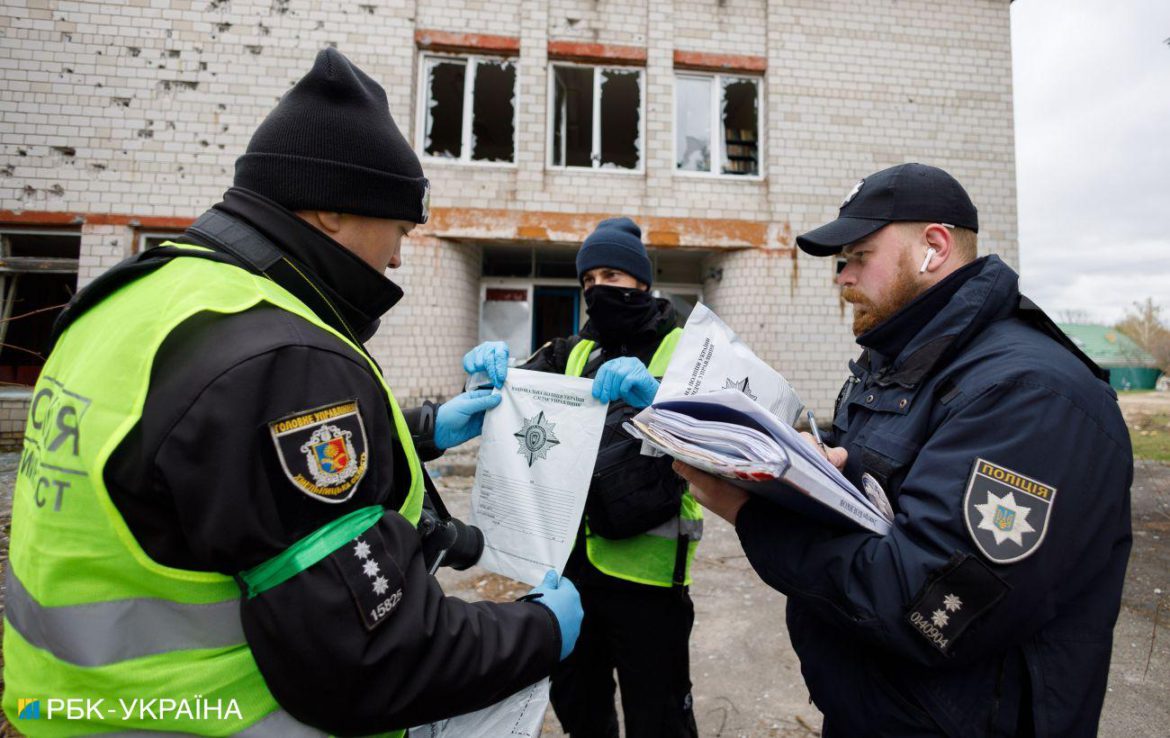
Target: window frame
x=531, y=283
x=716, y=121
x=595, y=157
x=141, y=236
x=471, y=65
x=10, y=277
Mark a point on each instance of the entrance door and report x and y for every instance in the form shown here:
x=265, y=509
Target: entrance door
x=555, y=313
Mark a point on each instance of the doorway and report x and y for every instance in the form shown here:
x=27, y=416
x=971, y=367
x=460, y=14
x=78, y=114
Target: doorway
x=556, y=313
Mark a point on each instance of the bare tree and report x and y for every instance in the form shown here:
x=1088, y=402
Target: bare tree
x=1143, y=323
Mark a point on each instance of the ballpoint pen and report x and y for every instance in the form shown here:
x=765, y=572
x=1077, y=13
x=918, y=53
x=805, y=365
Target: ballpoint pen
x=812, y=424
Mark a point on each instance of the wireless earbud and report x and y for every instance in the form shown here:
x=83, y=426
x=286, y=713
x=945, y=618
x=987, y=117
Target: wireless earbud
x=926, y=262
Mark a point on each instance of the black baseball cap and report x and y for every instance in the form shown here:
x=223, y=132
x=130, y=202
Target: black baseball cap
x=905, y=193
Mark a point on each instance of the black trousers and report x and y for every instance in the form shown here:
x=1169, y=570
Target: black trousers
x=643, y=633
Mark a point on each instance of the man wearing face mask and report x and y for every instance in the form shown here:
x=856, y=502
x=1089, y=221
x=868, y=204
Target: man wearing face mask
x=632, y=560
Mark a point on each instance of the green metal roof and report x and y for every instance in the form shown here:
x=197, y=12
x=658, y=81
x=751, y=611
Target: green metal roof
x=1107, y=346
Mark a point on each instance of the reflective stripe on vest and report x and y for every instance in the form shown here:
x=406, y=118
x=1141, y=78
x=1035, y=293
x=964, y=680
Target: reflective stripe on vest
x=80, y=634
x=675, y=527
x=647, y=558
x=90, y=615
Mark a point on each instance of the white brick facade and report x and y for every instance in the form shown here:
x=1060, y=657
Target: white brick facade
x=139, y=109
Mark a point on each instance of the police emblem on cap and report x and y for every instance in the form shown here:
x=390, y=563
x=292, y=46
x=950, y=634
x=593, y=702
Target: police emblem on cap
x=426, y=202
x=1006, y=513
x=323, y=451
x=853, y=193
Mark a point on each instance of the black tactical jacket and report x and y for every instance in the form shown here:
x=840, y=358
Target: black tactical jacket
x=203, y=485
x=988, y=610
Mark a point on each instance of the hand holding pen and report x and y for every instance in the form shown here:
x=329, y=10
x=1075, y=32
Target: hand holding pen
x=836, y=456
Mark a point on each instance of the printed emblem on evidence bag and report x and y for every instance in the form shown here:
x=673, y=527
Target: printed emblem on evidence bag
x=1006, y=513
x=741, y=385
x=536, y=437
x=323, y=451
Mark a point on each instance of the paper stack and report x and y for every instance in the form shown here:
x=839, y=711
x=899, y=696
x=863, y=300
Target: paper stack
x=727, y=434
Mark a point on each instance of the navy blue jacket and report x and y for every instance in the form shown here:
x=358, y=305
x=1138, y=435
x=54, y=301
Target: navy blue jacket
x=989, y=607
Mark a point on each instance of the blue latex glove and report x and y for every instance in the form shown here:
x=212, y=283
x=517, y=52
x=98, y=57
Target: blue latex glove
x=461, y=418
x=625, y=378
x=490, y=357
x=562, y=599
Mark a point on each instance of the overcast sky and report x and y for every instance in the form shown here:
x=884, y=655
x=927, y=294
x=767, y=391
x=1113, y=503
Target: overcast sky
x=1092, y=106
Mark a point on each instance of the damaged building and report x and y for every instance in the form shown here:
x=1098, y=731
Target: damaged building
x=723, y=127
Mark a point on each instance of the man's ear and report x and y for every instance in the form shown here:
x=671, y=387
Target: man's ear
x=643, y=286
x=330, y=221
x=322, y=220
x=938, y=237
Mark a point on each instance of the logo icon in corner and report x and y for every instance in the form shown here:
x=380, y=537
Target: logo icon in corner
x=536, y=437
x=853, y=193
x=28, y=709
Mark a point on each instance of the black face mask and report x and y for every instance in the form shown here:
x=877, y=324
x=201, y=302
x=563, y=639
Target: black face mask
x=619, y=313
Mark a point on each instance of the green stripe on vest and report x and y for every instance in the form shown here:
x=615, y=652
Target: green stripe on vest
x=648, y=558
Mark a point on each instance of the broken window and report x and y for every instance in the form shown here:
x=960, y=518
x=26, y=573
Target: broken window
x=597, y=117
x=470, y=109
x=717, y=121
x=38, y=275
x=154, y=239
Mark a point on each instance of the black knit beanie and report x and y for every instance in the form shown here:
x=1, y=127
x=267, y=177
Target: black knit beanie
x=331, y=144
x=616, y=243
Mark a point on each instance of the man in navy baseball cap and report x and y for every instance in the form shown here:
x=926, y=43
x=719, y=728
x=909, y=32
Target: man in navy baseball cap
x=905, y=193
x=988, y=607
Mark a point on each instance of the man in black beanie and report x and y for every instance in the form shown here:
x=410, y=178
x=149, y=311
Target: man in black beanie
x=261, y=547
x=632, y=559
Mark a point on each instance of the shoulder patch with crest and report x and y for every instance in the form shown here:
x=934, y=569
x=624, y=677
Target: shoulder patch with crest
x=1006, y=513
x=323, y=451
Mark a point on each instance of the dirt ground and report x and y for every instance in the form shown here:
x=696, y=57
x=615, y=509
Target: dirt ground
x=746, y=677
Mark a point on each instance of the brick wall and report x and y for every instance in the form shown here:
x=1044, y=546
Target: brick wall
x=422, y=340
x=13, y=415
x=102, y=246
x=140, y=108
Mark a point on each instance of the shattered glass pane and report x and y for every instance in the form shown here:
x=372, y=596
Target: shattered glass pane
x=741, y=129
x=445, y=81
x=621, y=109
x=692, y=128
x=573, y=117
x=493, y=111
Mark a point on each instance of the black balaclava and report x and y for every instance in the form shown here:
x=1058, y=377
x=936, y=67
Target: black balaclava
x=619, y=313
